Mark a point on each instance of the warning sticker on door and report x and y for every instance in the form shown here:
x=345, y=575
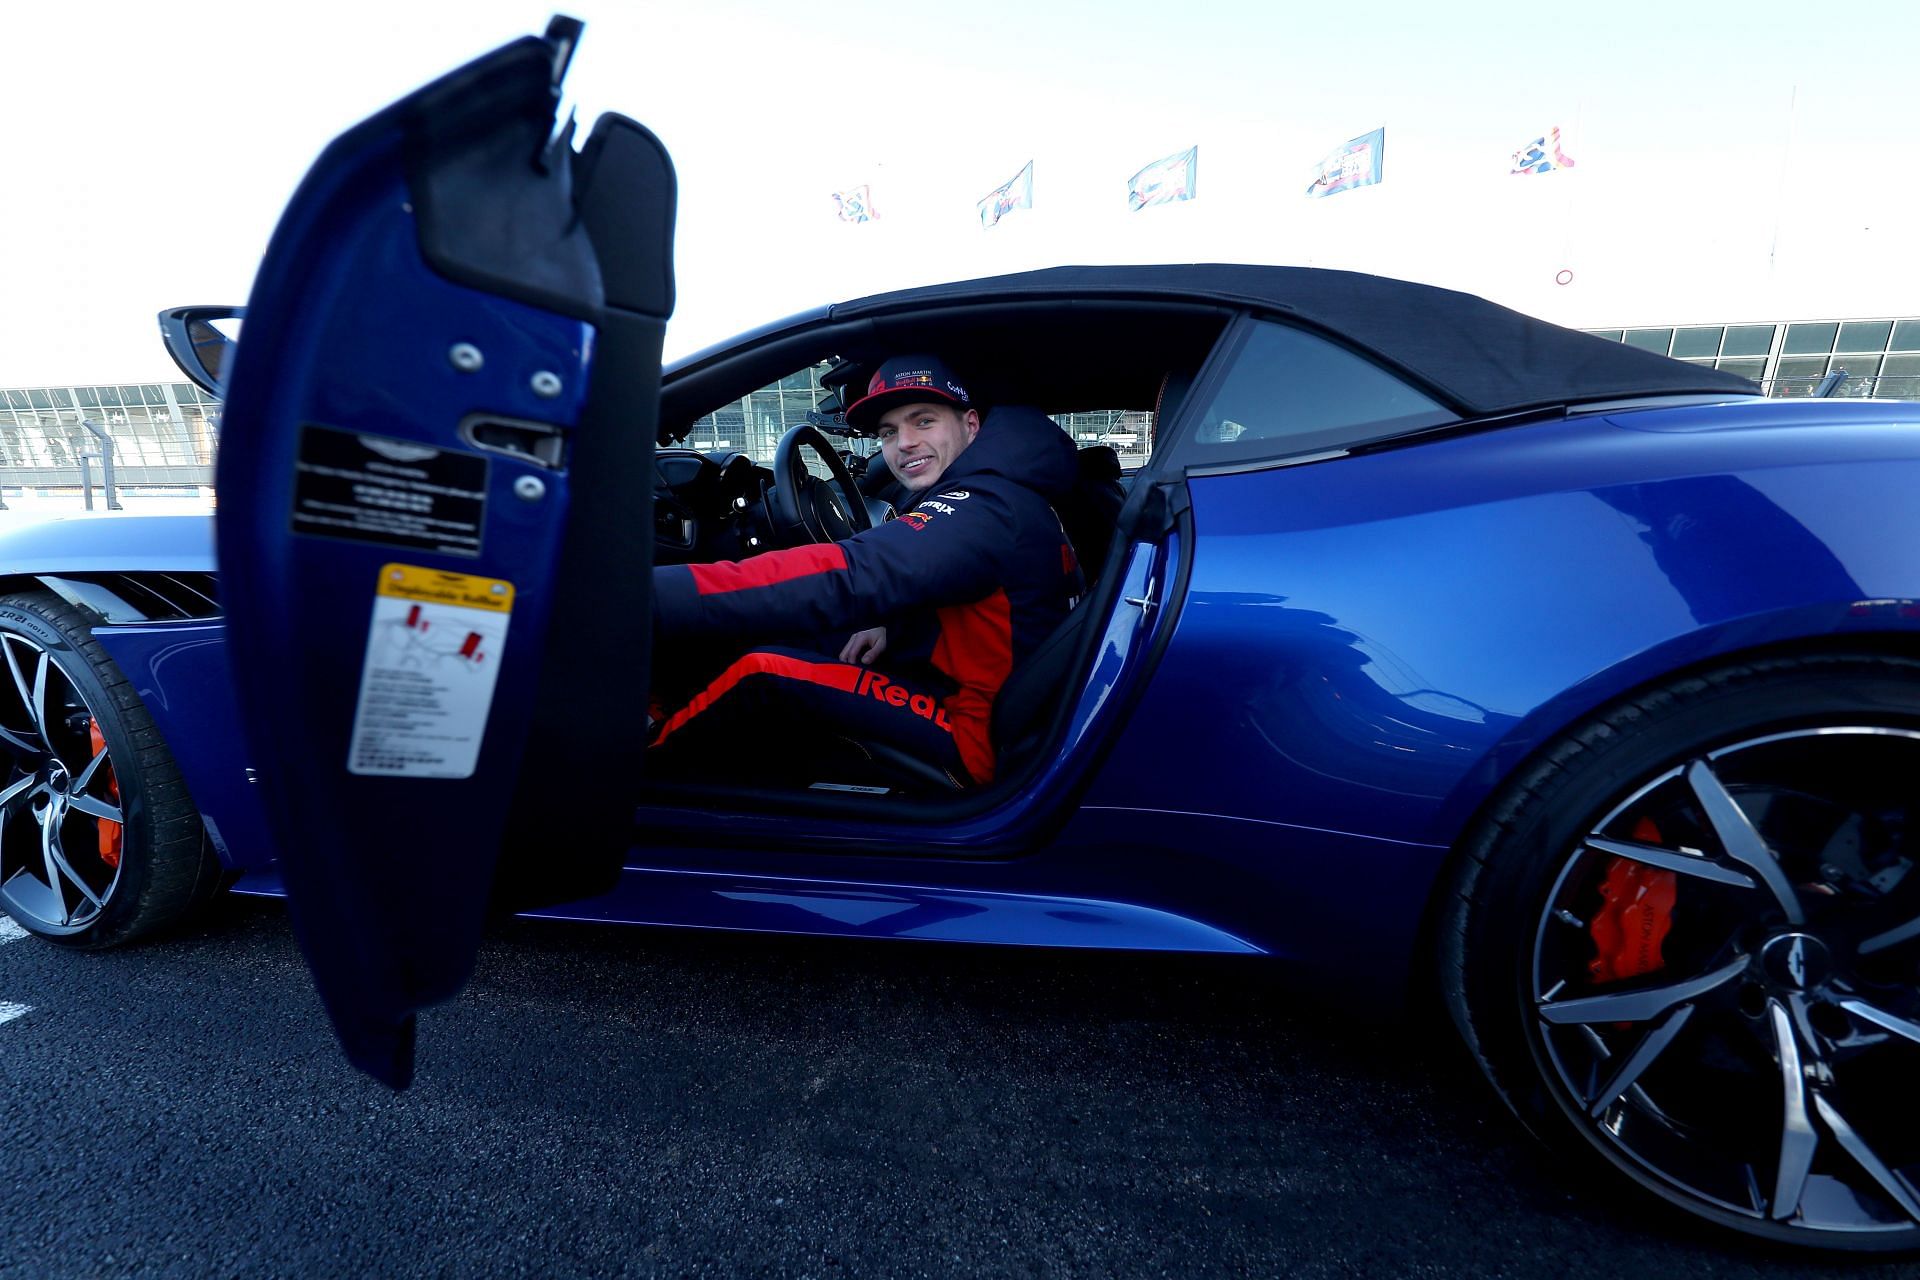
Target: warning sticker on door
x=433, y=658
x=349, y=484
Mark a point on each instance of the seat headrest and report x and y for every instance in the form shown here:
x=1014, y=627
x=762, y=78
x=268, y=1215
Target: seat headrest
x=1099, y=463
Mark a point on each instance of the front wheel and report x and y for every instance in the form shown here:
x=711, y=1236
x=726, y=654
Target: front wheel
x=1687, y=943
x=99, y=841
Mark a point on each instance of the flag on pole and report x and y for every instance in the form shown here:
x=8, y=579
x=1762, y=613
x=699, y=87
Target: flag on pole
x=1015, y=193
x=855, y=204
x=1542, y=155
x=1357, y=162
x=1165, y=180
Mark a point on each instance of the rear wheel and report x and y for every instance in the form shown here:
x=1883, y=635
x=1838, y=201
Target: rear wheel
x=99, y=841
x=1688, y=943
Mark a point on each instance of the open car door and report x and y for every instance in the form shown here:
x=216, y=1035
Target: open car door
x=435, y=487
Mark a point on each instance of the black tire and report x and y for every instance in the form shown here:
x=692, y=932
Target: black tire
x=91, y=895
x=1751, y=1062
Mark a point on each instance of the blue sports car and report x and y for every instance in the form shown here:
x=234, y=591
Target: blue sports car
x=1434, y=651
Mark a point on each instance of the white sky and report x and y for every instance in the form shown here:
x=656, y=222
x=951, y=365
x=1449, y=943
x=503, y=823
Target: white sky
x=1734, y=161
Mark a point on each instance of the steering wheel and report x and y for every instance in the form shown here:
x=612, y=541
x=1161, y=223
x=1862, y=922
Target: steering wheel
x=802, y=506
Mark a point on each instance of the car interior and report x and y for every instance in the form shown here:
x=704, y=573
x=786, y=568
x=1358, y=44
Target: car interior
x=1061, y=357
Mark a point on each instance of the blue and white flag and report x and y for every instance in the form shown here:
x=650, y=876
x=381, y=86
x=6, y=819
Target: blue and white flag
x=1542, y=155
x=1165, y=180
x=1015, y=193
x=855, y=204
x=1355, y=163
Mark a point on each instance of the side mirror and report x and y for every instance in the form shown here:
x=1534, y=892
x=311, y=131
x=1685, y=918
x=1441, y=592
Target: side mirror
x=201, y=342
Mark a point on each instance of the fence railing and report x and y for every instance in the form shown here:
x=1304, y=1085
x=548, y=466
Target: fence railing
x=1887, y=387
x=80, y=455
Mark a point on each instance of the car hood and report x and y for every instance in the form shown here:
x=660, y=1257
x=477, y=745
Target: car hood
x=110, y=543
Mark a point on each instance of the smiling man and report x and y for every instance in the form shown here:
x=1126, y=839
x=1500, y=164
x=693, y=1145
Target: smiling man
x=955, y=593
x=922, y=416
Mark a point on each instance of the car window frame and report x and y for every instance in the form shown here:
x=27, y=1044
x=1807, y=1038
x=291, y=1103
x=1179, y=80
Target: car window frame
x=1174, y=441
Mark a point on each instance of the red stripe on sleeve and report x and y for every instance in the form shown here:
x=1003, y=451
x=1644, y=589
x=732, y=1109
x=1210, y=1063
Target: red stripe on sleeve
x=768, y=568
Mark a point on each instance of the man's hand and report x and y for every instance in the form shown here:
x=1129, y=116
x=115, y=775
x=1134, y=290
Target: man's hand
x=864, y=646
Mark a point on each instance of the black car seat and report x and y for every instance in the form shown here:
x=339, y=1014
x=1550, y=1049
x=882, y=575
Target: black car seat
x=1089, y=510
x=1030, y=703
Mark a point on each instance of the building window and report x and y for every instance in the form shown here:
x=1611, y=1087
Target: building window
x=1864, y=335
x=1799, y=376
x=1809, y=339
x=1899, y=378
x=1654, y=340
x=1696, y=342
x=1748, y=340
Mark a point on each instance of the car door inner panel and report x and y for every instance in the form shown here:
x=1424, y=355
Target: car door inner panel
x=410, y=596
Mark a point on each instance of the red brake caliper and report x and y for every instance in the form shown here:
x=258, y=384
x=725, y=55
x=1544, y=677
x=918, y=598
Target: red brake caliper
x=1636, y=913
x=111, y=832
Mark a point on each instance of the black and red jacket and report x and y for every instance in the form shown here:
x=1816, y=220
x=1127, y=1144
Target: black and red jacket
x=968, y=582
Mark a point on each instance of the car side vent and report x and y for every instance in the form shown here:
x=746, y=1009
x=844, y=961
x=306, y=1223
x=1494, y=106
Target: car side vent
x=166, y=596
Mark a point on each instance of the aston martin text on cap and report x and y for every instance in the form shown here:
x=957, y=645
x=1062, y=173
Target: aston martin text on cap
x=907, y=380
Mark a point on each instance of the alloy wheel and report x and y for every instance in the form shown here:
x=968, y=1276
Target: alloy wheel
x=61, y=825
x=1725, y=982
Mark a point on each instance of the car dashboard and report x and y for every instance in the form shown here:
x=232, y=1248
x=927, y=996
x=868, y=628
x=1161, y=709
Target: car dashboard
x=709, y=506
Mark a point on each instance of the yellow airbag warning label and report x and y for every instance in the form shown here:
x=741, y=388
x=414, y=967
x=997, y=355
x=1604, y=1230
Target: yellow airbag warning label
x=426, y=686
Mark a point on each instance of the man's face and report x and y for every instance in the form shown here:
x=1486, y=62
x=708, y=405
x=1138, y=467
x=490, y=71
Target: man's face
x=921, y=441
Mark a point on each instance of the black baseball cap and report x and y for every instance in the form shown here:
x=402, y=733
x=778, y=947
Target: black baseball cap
x=907, y=380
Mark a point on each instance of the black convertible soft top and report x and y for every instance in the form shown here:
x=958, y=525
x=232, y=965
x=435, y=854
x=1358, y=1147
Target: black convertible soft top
x=1481, y=357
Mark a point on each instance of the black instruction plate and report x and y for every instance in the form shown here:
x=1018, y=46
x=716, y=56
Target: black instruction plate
x=397, y=493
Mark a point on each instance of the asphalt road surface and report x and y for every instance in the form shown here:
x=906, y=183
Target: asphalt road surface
x=607, y=1101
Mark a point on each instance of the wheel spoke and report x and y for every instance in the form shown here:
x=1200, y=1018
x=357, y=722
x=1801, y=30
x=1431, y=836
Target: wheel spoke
x=1892, y=937
x=1687, y=864
x=47, y=822
x=1882, y=1019
x=1639, y=1006
x=95, y=807
x=25, y=689
x=1741, y=840
x=1896, y=1187
x=73, y=877
x=1650, y=1047
x=7, y=796
x=84, y=778
x=1798, y=1140
x=39, y=707
x=1600, y=1051
x=18, y=741
x=25, y=896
